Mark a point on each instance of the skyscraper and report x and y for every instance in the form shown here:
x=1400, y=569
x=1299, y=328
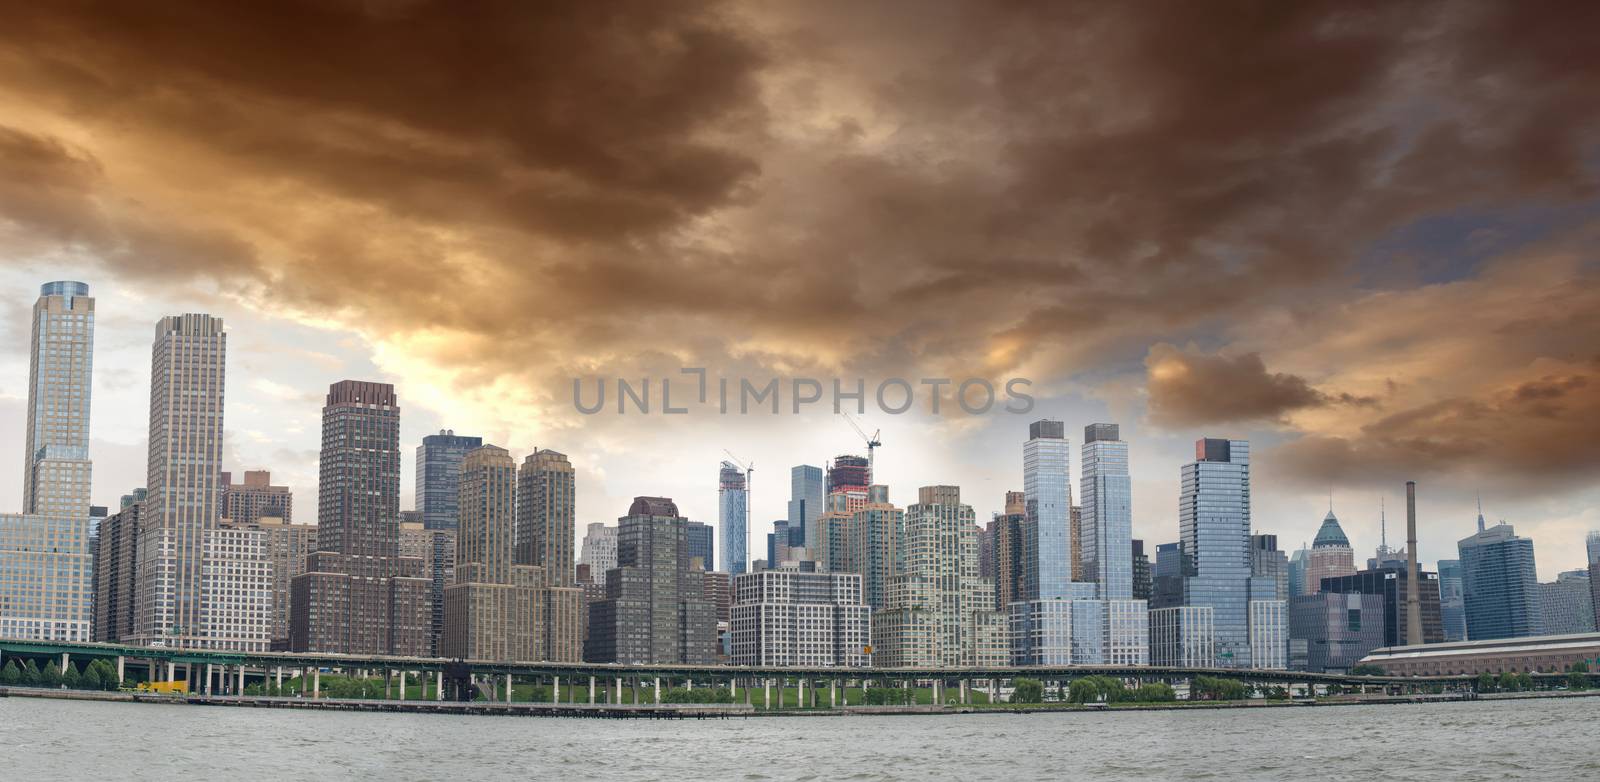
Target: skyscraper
x=187, y=380
x=56, y=468
x=1392, y=583
x=655, y=610
x=1499, y=586
x=1010, y=551
x=807, y=487
x=1297, y=571
x=733, y=513
x=702, y=544
x=1214, y=526
x=783, y=616
x=546, y=527
x=1047, y=486
x=436, y=548
x=1106, y=496
x=1566, y=605
x=358, y=595
x=1143, y=583
x=939, y=612
x=1331, y=555
x=46, y=561
x=599, y=549
x=874, y=545
x=1452, y=603
x=1591, y=545
x=438, y=467
x=495, y=609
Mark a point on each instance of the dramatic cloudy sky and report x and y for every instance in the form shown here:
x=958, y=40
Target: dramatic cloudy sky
x=1361, y=235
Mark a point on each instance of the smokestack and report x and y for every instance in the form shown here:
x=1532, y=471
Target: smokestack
x=1413, y=587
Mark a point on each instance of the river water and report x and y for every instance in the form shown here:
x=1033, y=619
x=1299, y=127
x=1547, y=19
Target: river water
x=1548, y=739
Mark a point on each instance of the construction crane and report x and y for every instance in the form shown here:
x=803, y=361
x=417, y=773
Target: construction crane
x=872, y=442
x=749, y=493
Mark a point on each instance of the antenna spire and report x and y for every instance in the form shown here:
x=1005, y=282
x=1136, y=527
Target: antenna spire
x=1480, y=511
x=1383, y=533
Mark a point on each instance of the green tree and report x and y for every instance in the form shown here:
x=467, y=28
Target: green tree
x=108, y=675
x=1509, y=682
x=1027, y=691
x=1207, y=688
x=91, y=679
x=1581, y=666
x=1367, y=669
x=30, y=674
x=10, y=675
x=1155, y=692
x=69, y=677
x=1486, y=682
x=1577, y=680
x=51, y=677
x=1083, y=691
x=1524, y=682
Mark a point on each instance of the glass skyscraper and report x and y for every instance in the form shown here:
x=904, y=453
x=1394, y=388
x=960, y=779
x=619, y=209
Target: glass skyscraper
x=438, y=472
x=1499, y=587
x=1047, y=487
x=1106, y=497
x=1452, y=608
x=733, y=512
x=806, y=489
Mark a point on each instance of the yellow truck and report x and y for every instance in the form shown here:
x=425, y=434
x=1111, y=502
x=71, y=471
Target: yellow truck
x=179, y=687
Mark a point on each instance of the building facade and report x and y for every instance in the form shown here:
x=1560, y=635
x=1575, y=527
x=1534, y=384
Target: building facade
x=1047, y=488
x=702, y=545
x=1542, y=653
x=807, y=487
x=1566, y=605
x=285, y=546
x=57, y=472
x=1183, y=636
x=1391, y=583
x=116, y=557
x=495, y=609
x=255, y=497
x=733, y=516
x=1330, y=632
x=436, y=549
x=1330, y=556
x=1452, y=601
x=438, y=468
x=545, y=537
x=236, y=589
x=599, y=549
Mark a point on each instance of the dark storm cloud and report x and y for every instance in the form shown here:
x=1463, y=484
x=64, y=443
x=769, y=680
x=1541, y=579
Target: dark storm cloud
x=1191, y=389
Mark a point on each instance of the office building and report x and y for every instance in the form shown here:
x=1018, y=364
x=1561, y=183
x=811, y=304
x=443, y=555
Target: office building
x=1143, y=578
x=285, y=546
x=545, y=530
x=733, y=516
x=1268, y=562
x=939, y=613
x=116, y=558
x=1591, y=546
x=599, y=549
x=438, y=468
x=1329, y=632
x=1166, y=590
x=785, y=617
x=1010, y=551
x=1498, y=584
x=1391, y=583
x=1331, y=555
x=807, y=487
x=187, y=381
x=1566, y=605
x=1452, y=601
x=655, y=610
x=1297, y=571
x=358, y=595
x=436, y=549
x=495, y=610
x=236, y=589
x=1106, y=497
x=57, y=472
x=245, y=502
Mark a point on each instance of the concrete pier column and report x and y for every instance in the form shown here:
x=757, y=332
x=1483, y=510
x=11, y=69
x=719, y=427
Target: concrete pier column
x=205, y=689
x=963, y=692
x=438, y=685
x=733, y=688
x=66, y=660
x=555, y=690
x=316, y=682
x=591, y=690
x=619, y=689
x=833, y=693
x=508, y=688
x=994, y=690
x=121, y=662
x=936, y=699
x=766, y=693
x=658, y=690
x=278, y=688
x=240, y=690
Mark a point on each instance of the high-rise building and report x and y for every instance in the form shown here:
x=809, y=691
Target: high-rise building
x=1106, y=497
x=358, y=595
x=733, y=515
x=779, y=549
x=243, y=503
x=1392, y=584
x=939, y=612
x=236, y=589
x=1047, y=486
x=1214, y=522
x=546, y=526
x=1143, y=583
x=599, y=550
x=1010, y=551
x=1183, y=636
x=655, y=610
x=1331, y=555
x=1591, y=546
x=495, y=610
x=1297, y=571
x=1499, y=587
x=115, y=560
x=46, y=560
x=438, y=468
x=702, y=545
x=1266, y=560
x=1452, y=602
x=1566, y=605
x=1330, y=632
x=1166, y=590
x=874, y=545
x=807, y=487
x=847, y=472
x=436, y=548
x=57, y=472
x=786, y=617
x=187, y=380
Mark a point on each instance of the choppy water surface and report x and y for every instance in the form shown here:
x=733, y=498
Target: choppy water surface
x=1553, y=739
